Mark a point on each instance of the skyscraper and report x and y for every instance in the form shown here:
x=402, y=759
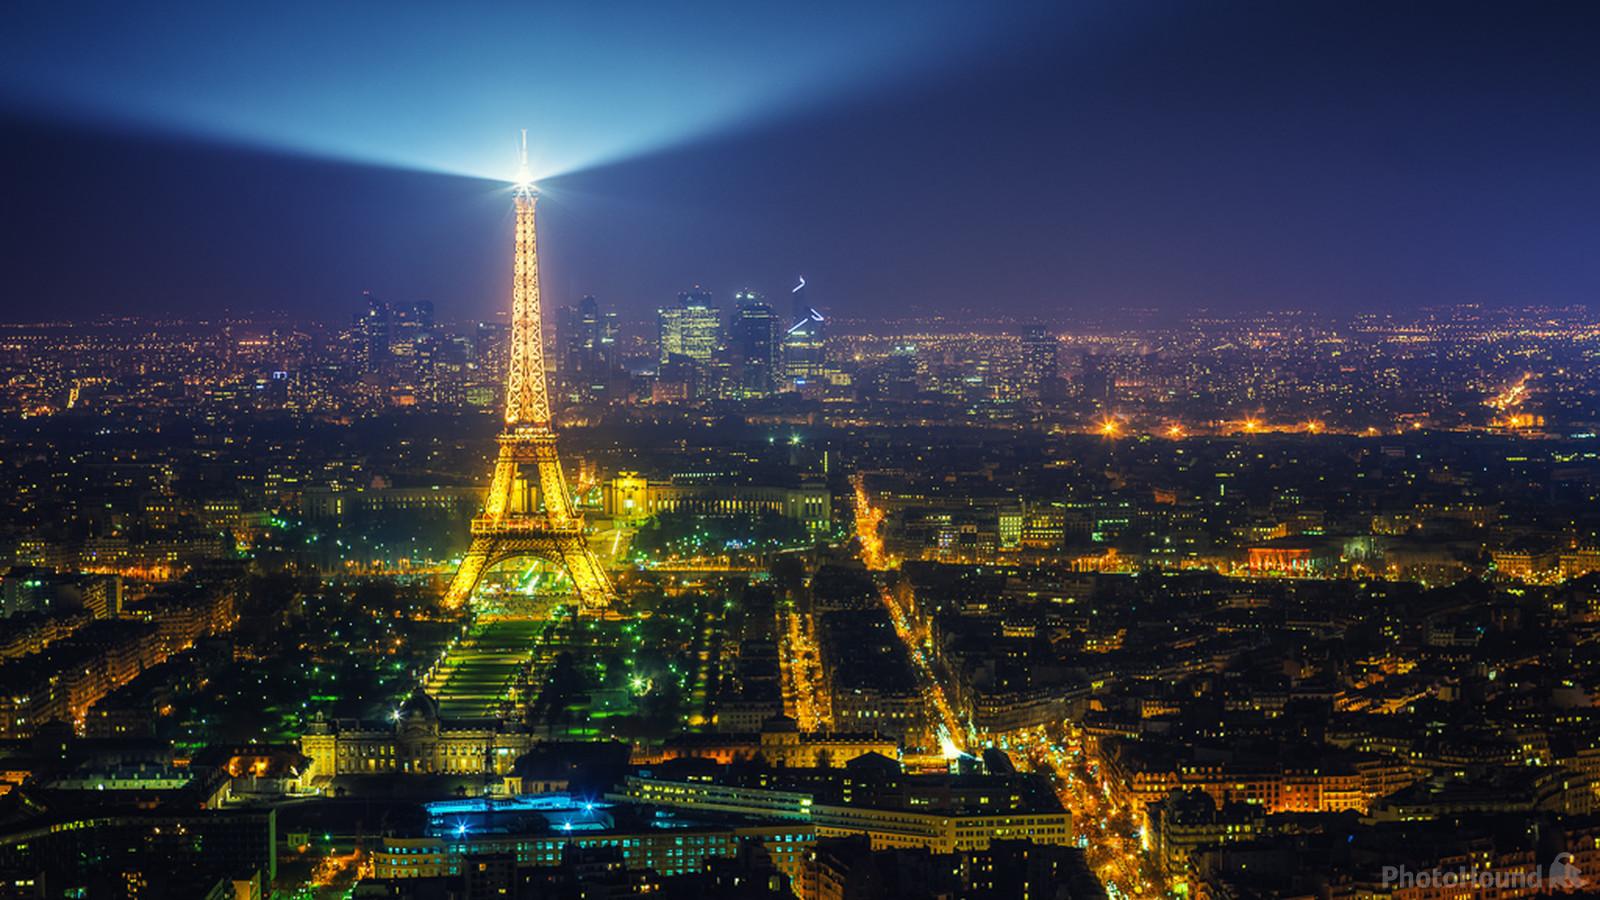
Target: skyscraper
x=692, y=328
x=754, y=343
x=1097, y=383
x=1039, y=368
x=374, y=331
x=587, y=352
x=901, y=376
x=587, y=338
x=804, y=354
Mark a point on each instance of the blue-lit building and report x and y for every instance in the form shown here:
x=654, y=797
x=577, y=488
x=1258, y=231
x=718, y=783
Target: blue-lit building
x=535, y=829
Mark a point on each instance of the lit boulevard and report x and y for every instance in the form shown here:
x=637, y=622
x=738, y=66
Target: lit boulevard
x=926, y=460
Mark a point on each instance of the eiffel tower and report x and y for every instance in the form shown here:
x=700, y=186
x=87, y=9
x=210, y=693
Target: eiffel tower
x=529, y=511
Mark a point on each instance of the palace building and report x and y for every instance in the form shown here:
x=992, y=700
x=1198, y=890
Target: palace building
x=417, y=742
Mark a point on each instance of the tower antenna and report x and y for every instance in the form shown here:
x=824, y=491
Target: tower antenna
x=524, y=177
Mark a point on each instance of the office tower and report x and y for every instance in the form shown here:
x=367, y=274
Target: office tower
x=754, y=342
x=588, y=339
x=374, y=330
x=902, y=373
x=608, y=346
x=1097, y=382
x=804, y=354
x=691, y=328
x=1039, y=369
x=799, y=303
x=587, y=349
x=413, y=349
x=417, y=315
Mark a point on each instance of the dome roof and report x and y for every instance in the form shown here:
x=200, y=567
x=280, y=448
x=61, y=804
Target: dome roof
x=419, y=706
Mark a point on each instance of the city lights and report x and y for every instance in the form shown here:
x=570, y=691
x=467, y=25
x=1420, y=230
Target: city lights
x=1160, y=507
x=970, y=565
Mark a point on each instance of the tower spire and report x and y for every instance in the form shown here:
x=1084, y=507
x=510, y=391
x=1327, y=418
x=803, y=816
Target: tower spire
x=527, y=400
x=524, y=173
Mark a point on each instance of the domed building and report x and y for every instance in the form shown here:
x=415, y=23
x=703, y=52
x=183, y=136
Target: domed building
x=414, y=741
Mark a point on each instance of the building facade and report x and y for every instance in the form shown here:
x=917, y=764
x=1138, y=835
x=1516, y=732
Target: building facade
x=417, y=743
x=631, y=498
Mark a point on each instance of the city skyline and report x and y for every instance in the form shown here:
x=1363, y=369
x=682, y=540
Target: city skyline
x=1128, y=611
x=1103, y=451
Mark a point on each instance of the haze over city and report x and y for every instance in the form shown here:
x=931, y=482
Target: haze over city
x=929, y=451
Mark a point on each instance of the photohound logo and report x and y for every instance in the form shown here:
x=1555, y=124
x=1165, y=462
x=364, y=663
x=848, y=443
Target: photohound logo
x=1562, y=875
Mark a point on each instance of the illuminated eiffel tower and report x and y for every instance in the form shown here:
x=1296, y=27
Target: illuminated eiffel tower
x=529, y=512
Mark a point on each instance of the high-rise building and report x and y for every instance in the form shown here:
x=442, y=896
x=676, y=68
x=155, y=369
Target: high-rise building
x=902, y=373
x=1098, y=383
x=588, y=339
x=804, y=353
x=389, y=337
x=799, y=302
x=418, y=315
x=1039, y=368
x=413, y=348
x=691, y=328
x=587, y=350
x=754, y=341
x=374, y=330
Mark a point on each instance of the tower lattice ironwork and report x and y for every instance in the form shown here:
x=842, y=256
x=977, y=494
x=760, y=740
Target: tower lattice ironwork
x=529, y=511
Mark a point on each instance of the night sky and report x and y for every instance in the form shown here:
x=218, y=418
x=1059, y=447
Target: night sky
x=903, y=157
